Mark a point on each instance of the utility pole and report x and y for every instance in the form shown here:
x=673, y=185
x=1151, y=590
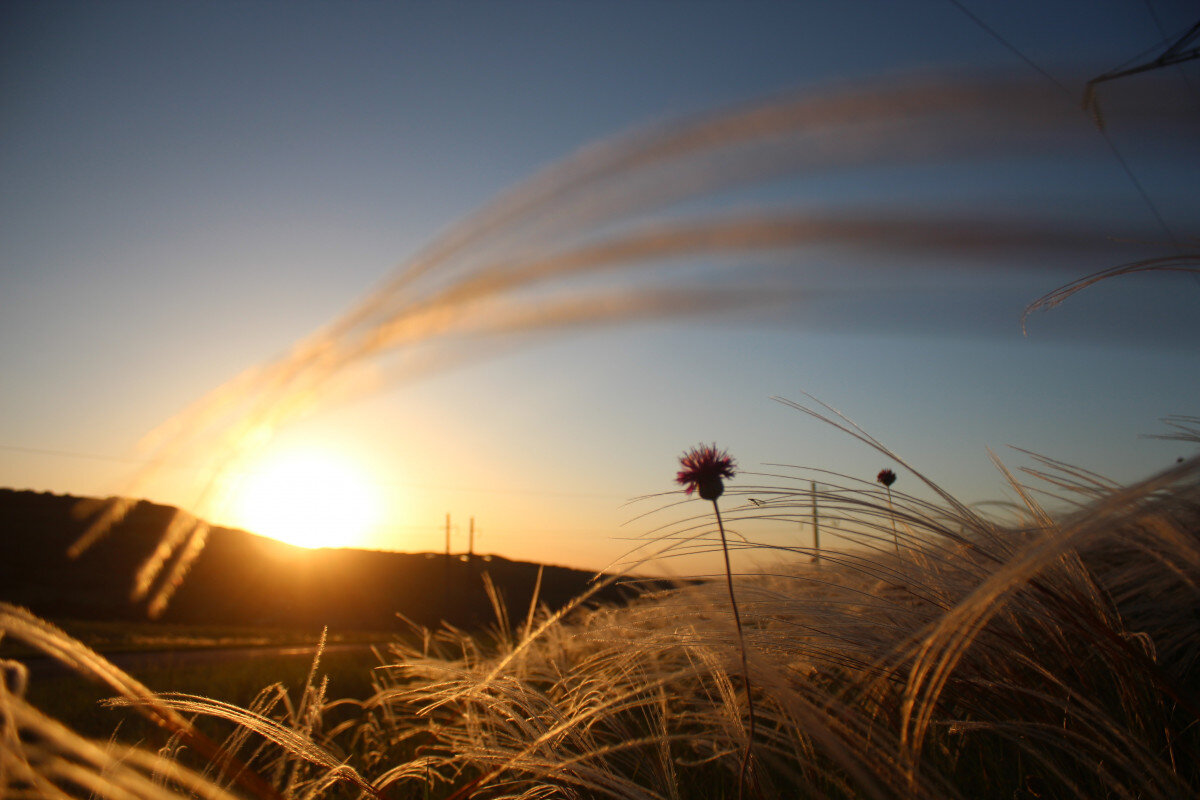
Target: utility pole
x=473, y=583
x=816, y=523
x=446, y=574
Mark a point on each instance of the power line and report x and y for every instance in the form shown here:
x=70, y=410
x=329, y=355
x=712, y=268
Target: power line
x=72, y=454
x=1011, y=47
x=1137, y=184
x=377, y=483
x=1182, y=72
x=1174, y=54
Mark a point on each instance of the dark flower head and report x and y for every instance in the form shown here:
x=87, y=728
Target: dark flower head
x=886, y=477
x=704, y=468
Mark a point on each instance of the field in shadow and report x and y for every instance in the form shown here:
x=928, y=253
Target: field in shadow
x=246, y=580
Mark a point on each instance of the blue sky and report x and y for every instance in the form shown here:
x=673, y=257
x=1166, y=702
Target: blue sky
x=192, y=188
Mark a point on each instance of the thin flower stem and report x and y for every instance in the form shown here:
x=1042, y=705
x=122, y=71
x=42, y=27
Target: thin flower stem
x=737, y=622
x=892, y=509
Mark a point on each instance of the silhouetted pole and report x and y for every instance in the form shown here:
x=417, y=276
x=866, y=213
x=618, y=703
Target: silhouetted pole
x=473, y=573
x=446, y=573
x=816, y=526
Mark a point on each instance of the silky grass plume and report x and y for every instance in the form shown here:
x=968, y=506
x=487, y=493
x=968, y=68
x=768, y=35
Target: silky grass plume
x=704, y=470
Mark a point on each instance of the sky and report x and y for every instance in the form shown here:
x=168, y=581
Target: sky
x=189, y=190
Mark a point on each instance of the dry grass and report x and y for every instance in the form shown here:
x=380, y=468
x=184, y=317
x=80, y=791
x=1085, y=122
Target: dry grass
x=1056, y=657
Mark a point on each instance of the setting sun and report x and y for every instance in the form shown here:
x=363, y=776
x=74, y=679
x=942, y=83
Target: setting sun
x=310, y=499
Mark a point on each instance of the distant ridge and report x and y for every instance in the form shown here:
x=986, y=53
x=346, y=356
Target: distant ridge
x=244, y=579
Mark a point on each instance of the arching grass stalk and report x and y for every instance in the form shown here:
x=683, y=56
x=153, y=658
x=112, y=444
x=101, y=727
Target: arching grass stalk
x=887, y=478
x=704, y=470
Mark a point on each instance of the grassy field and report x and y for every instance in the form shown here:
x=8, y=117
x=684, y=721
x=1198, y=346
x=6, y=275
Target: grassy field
x=235, y=676
x=943, y=656
x=130, y=637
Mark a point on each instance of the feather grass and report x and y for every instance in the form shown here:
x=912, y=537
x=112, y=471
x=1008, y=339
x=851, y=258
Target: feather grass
x=1056, y=654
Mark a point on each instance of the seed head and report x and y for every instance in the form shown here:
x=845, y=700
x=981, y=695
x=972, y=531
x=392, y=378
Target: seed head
x=886, y=477
x=704, y=468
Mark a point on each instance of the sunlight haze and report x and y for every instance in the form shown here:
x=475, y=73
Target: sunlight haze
x=252, y=222
x=311, y=499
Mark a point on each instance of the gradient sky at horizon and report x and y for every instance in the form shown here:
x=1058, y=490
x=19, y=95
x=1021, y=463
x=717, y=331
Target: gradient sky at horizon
x=189, y=189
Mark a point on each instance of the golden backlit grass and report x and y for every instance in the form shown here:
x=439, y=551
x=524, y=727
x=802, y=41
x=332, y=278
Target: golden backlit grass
x=1054, y=657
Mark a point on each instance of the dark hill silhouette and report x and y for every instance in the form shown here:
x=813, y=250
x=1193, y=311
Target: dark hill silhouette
x=244, y=579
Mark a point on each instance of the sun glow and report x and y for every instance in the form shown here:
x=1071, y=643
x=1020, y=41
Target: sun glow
x=309, y=499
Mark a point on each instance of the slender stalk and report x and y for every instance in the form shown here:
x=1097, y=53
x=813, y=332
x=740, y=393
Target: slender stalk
x=892, y=510
x=737, y=622
x=816, y=523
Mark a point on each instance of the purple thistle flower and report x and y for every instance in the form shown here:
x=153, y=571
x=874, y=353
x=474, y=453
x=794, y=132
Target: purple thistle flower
x=886, y=477
x=704, y=468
